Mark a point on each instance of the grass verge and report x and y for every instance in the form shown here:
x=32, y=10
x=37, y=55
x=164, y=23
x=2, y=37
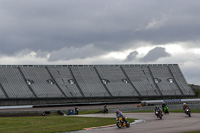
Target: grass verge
x=83, y=112
x=193, y=132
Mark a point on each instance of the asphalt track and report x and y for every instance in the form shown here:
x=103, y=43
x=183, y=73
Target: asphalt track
x=171, y=123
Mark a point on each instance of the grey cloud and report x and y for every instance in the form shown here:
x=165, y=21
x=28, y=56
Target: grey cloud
x=68, y=53
x=110, y=25
x=190, y=71
x=131, y=56
x=155, y=54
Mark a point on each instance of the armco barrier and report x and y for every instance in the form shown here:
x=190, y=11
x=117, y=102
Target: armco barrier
x=151, y=108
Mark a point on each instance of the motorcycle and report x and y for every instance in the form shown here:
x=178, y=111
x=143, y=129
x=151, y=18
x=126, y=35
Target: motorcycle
x=166, y=110
x=122, y=122
x=159, y=114
x=76, y=111
x=105, y=110
x=188, y=111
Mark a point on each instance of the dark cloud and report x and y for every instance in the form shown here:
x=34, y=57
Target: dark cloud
x=131, y=56
x=50, y=25
x=155, y=54
x=74, y=53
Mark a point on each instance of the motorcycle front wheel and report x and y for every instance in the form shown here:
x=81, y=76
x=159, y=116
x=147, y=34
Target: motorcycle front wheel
x=119, y=124
x=189, y=114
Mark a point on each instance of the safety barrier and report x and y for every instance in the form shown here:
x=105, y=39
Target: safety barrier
x=151, y=108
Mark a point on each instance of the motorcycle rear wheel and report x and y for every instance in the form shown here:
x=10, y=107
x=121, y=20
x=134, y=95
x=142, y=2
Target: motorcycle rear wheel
x=127, y=124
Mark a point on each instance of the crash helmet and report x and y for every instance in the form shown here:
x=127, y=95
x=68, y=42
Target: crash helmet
x=184, y=103
x=117, y=111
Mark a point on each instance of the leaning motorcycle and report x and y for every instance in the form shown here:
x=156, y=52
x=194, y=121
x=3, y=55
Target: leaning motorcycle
x=166, y=110
x=188, y=112
x=122, y=123
x=105, y=110
x=159, y=114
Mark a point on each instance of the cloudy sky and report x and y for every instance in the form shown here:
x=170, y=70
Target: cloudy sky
x=102, y=32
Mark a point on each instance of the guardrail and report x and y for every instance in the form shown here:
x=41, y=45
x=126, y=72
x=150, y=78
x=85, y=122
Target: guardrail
x=151, y=108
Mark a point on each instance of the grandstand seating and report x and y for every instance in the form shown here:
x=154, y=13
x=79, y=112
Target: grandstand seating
x=142, y=80
x=41, y=87
x=163, y=75
x=176, y=72
x=13, y=83
x=62, y=76
x=91, y=81
x=115, y=77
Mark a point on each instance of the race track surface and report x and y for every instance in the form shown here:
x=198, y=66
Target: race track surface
x=171, y=123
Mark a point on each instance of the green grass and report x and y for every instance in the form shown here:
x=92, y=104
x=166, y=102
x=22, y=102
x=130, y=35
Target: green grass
x=193, y=132
x=83, y=112
x=50, y=124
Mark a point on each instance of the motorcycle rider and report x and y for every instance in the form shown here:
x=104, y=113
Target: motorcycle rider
x=166, y=110
x=163, y=106
x=105, y=110
x=185, y=106
x=120, y=114
x=76, y=111
x=157, y=110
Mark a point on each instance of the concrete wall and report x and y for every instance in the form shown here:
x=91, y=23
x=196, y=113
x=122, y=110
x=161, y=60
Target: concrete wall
x=48, y=102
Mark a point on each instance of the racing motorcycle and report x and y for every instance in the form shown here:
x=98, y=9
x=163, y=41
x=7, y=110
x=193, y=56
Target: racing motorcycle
x=105, y=110
x=188, y=111
x=159, y=114
x=122, y=123
x=166, y=110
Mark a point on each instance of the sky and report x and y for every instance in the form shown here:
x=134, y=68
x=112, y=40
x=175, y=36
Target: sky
x=71, y=32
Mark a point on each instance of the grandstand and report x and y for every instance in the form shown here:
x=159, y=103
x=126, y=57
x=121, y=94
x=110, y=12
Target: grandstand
x=50, y=84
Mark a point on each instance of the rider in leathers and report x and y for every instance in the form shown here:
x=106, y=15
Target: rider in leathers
x=185, y=106
x=120, y=114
